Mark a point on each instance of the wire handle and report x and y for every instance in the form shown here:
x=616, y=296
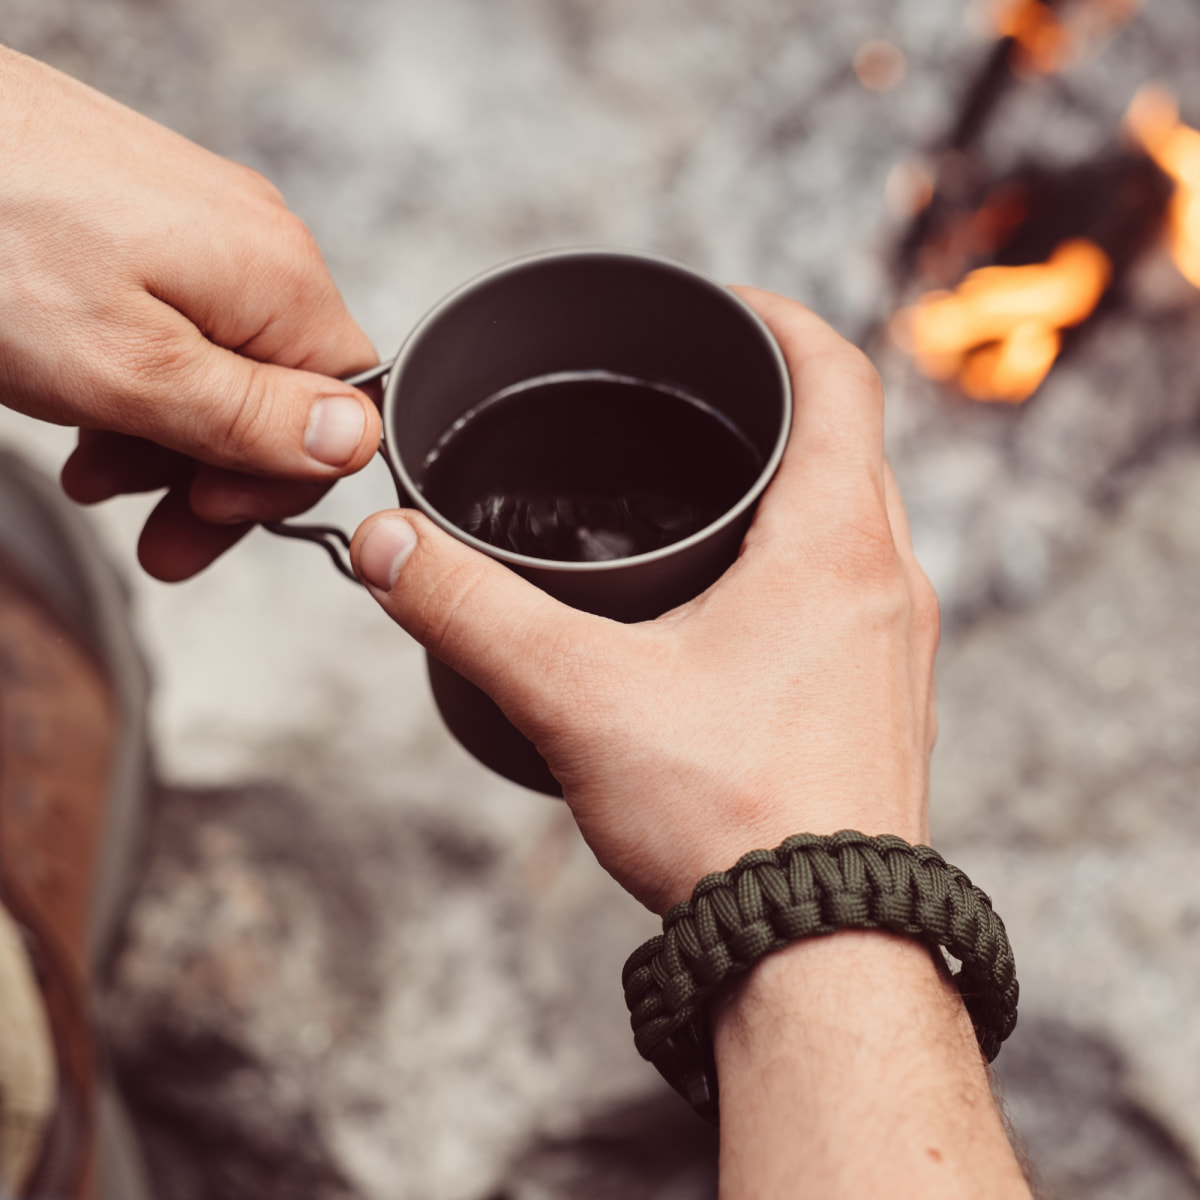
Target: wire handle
x=334, y=541
x=370, y=375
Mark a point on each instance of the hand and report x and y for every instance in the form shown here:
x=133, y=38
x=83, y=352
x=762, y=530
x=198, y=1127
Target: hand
x=795, y=695
x=166, y=302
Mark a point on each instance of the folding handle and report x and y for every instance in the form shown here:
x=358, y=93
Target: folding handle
x=334, y=541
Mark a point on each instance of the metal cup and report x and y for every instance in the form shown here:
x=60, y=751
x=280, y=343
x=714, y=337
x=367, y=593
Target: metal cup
x=630, y=315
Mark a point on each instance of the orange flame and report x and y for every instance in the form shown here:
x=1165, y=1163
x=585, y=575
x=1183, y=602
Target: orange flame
x=998, y=333
x=1153, y=119
x=1049, y=38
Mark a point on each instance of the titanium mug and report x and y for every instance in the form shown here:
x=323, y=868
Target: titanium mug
x=577, y=313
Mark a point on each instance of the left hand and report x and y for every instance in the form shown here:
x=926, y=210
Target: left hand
x=165, y=301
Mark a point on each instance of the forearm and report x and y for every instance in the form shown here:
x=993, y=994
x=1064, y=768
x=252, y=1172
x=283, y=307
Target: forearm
x=848, y=1068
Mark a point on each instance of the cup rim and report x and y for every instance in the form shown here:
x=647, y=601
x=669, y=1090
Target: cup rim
x=526, y=561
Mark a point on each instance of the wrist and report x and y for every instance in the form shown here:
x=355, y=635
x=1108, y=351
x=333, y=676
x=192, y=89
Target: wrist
x=817, y=988
x=771, y=824
x=849, y=1067
x=809, y=887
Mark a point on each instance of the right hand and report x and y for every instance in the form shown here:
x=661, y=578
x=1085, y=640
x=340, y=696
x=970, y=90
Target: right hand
x=165, y=301
x=795, y=695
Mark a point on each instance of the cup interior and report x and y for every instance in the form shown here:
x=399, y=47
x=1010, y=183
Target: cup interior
x=628, y=315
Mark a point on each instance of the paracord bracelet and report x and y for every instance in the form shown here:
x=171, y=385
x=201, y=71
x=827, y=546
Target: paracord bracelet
x=809, y=886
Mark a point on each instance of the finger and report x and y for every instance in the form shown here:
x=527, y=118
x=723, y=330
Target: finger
x=472, y=612
x=231, y=498
x=176, y=544
x=837, y=424
x=106, y=464
x=839, y=401
x=832, y=468
x=175, y=387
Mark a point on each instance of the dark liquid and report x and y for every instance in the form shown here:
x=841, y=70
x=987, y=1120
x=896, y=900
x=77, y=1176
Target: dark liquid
x=588, y=467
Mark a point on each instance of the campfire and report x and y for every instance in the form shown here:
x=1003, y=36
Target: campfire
x=1001, y=275
x=998, y=333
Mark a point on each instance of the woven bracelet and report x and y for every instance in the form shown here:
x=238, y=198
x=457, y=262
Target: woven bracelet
x=809, y=886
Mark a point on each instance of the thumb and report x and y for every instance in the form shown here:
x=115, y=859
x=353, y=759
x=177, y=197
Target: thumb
x=472, y=612
x=223, y=408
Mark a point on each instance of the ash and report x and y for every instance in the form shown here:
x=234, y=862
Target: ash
x=288, y=1015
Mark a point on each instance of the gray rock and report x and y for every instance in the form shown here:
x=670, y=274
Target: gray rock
x=1086, y=1136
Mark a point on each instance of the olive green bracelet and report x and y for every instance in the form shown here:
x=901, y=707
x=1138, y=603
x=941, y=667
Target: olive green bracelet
x=809, y=886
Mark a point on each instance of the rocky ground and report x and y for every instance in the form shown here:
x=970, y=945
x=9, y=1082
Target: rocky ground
x=360, y=966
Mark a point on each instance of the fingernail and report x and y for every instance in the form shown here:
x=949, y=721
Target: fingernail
x=385, y=551
x=335, y=428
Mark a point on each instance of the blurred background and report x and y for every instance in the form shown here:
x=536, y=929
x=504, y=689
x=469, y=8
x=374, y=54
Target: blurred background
x=1001, y=204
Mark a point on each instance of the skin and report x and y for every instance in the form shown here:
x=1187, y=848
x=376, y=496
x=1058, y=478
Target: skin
x=849, y=1068
x=165, y=301
x=796, y=694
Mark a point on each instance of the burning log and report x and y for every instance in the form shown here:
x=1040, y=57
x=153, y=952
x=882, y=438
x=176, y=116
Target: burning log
x=1018, y=265
x=1036, y=259
x=1039, y=36
x=998, y=332
x=1046, y=37
x=1032, y=36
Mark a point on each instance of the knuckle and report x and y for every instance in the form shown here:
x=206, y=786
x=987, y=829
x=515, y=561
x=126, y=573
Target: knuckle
x=260, y=185
x=901, y=606
x=860, y=560
x=438, y=612
x=163, y=390
x=848, y=361
x=852, y=366
x=246, y=427
x=863, y=550
x=926, y=601
x=927, y=613
x=155, y=354
x=864, y=371
x=300, y=252
x=301, y=282
x=148, y=375
x=298, y=236
x=842, y=433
